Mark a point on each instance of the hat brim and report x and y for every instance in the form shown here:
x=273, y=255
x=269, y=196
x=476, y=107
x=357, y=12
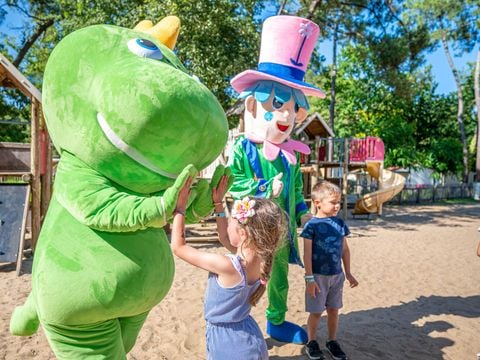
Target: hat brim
x=248, y=78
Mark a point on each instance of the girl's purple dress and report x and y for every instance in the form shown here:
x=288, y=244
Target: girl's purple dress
x=232, y=334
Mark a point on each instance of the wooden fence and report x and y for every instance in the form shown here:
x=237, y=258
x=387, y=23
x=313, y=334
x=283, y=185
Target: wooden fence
x=431, y=194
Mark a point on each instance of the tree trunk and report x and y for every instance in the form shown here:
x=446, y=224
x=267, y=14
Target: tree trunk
x=311, y=9
x=477, y=102
x=334, y=78
x=282, y=7
x=460, y=108
x=31, y=40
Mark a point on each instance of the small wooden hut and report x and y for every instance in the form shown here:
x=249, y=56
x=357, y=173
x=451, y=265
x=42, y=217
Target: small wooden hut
x=39, y=173
x=310, y=131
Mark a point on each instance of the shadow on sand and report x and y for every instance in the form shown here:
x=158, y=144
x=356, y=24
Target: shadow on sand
x=407, y=219
x=361, y=331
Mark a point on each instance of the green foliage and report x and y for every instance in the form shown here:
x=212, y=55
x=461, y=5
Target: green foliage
x=381, y=88
x=456, y=20
x=418, y=127
x=446, y=155
x=470, y=114
x=218, y=39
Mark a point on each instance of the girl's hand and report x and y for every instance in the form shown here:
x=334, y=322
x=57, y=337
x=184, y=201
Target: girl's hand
x=219, y=191
x=183, y=197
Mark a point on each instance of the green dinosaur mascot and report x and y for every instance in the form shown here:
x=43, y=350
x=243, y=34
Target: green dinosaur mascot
x=131, y=126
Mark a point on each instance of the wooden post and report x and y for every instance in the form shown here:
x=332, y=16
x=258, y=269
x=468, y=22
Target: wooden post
x=344, y=177
x=35, y=170
x=47, y=177
x=22, y=232
x=330, y=151
x=316, y=170
x=380, y=187
x=47, y=180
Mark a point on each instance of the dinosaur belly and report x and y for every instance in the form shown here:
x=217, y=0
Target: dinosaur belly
x=82, y=276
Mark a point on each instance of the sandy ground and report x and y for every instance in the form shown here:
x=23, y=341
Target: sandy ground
x=419, y=295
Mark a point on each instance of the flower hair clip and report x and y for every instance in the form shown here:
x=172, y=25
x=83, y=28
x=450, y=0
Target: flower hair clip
x=243, y=209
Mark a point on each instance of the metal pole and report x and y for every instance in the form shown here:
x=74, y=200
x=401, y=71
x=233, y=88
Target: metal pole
x=344, y=177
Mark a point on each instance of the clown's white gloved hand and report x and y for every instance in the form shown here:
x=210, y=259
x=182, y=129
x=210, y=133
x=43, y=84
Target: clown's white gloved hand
x=277, y=185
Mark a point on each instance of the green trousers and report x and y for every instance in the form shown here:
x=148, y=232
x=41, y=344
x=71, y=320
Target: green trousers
x=277, y=288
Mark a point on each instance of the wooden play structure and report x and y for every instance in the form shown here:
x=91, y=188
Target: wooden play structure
x=310, y=132
x=35, y=173
x=334, y=158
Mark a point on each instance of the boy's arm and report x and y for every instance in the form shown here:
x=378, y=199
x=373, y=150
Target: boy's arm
x=312, y=287
x=307, y=256
x=346, y=263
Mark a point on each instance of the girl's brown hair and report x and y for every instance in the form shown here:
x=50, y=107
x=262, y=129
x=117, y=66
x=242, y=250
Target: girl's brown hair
x=266, y=229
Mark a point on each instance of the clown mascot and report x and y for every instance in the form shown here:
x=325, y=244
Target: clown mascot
x=131, y=126
x=265, y=162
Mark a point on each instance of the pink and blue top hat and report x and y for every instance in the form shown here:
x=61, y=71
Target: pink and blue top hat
x=286, y=47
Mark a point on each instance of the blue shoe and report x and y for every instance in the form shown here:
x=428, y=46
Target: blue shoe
x=287, y=332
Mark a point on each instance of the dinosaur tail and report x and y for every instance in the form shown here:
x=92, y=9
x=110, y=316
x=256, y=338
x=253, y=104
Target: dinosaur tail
x=24, y=321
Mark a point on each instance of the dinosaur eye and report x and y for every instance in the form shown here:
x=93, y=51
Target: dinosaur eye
x=277, y=104
x=297, y=107
x=145, y=48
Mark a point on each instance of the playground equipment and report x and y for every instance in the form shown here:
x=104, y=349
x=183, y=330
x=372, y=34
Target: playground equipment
x=30, y=164
x=391, y=184
x=14, y=200
x=371, y=151
x=353, y=154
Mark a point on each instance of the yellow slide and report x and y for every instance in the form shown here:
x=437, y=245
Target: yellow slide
x=392, y=184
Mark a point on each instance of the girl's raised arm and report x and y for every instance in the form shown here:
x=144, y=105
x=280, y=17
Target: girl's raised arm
x=215, y=263
x=218, y=193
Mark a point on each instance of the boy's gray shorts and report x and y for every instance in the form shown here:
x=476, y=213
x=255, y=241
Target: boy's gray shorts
x=330, y=295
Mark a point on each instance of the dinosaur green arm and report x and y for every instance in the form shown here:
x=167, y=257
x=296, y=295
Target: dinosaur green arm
x=202, y=204
x=100, y=204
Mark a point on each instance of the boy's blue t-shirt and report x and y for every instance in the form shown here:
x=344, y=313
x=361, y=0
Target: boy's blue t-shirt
x=327, y=243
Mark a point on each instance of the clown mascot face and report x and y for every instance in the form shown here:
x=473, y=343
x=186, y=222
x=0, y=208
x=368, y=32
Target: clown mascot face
x=131, y=126
x=265, y=161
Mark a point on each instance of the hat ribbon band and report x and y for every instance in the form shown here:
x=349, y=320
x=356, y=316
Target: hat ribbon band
x=281, y=71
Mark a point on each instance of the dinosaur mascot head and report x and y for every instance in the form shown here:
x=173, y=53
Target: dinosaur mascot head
x=121, y=101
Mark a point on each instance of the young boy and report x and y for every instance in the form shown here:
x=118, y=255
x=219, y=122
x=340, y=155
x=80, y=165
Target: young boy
x=325, y=248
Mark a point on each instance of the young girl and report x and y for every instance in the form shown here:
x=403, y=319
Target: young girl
x=236, y=281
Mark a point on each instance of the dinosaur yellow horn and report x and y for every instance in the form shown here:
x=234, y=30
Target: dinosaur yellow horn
x=143, y=25
x=166, y=31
